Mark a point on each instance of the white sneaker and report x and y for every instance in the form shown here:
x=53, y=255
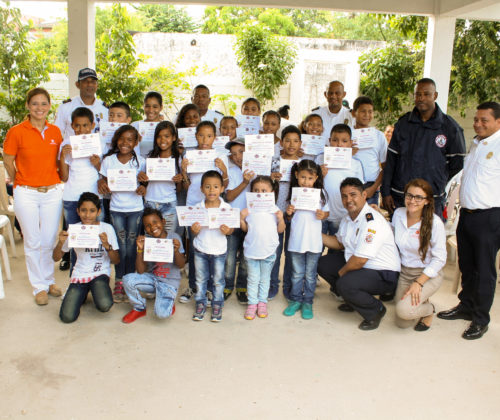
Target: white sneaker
x=186, y=295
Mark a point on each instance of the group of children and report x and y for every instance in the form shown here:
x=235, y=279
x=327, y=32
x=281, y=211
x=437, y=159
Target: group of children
x=212, y=254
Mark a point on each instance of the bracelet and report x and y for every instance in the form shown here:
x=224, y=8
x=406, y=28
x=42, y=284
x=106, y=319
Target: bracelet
x=420, y=284
x=140, y=250
x=225, y=179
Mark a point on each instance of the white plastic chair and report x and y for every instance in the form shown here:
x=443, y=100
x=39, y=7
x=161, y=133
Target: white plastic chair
x=5, y=223
x=6, y=265
x=6, y=210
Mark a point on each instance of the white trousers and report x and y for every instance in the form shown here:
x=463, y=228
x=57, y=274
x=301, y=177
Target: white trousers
x=38, y=214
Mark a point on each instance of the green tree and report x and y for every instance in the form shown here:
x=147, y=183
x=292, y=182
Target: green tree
x=166, y=18
x=55, y=47
x=265, y=60
x=23, y=67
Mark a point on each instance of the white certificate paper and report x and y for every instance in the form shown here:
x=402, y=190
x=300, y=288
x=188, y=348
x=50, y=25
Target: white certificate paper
x=362, y=138
x=312, y=145
x=160, y=169
x=83, y=236
x=261, y=202
x=159, y=250
x=187, y=136
x=338, y=157
x=107, y=130
x=188, y=215
x=306, y=198
x=147, y=132
x=122, y=179
x=247, y=124
x=260, y=143
x=219, y=145
x=201, y=160
x=223, y=216
x=85, y=145
x=286, y=169
x=258, y=163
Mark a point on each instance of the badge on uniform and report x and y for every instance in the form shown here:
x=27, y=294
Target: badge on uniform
x=372, y=230
x=215, y=120
x=369, y=217
x=489, y=155
x=369, y=238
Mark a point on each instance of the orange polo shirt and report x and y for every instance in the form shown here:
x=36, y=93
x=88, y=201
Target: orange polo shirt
x=36, y=155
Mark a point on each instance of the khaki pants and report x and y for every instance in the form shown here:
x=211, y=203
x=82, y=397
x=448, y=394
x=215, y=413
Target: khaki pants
x=406, y=313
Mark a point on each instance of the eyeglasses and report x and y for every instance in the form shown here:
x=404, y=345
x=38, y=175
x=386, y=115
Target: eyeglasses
x=417, y=198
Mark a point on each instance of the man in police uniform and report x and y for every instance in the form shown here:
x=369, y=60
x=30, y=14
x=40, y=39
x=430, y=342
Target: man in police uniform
x=365, y=260
x=427, y=144
x=334, y=113
x=478, y=231
x=201, y=98
x=87, y=85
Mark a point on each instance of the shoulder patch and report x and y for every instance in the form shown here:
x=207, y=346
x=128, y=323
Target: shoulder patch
x=369, y=217
x=66, y=101
x=315, y=109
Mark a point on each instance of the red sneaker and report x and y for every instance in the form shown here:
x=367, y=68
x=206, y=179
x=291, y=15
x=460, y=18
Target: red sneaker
x=133, y=315
x=173, y=310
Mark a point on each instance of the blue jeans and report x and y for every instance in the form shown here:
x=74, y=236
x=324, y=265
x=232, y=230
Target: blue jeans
x=134, y=283
x=209, y=266
x=304, y=272
x=77, y=294
x=287, y=271
x=235, y=254
x=192, y=270
x=168, y=212
x=259, y=278
x=127, y=225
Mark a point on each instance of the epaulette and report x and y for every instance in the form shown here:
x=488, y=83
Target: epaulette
x=315, y=109
x=105, y=105
x=217, y=112
x=369, y=217
x=66, y=101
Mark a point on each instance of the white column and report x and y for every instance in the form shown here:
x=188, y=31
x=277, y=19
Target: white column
x=81, y=39
x=297, y=84
x=438, y=55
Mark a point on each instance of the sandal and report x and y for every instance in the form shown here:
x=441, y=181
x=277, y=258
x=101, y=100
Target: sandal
x=119, y=295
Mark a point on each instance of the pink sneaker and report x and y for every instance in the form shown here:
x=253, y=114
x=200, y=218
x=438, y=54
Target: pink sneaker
x=250, y=312
x=262, y=310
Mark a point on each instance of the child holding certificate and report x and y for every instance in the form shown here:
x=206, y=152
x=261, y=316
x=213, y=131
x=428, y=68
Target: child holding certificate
x=228, y=126
x=271, y=121
x=189, y=116
x=260, y=246
x=209, y=249
x=153, y=105
x=92, y=269
x=250, y=106
x=305, y=244
x=161, y=194
x=119, y=171
x=280, y=173
x=205, y=136
x=161, y=278
x=313, y=126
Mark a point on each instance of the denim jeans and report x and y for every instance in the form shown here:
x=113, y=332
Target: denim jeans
x=127, y=225
x=207, y=266
x=134, y=283
x=304, y=272
x=235, y=254
x=259, y=278
x=192, y=270
x=168, y=212
x=77, y=293
x=287, y=271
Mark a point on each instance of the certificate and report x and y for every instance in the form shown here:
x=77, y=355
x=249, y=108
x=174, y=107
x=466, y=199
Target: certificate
x=160, y=169
x=85, y=145
x=247, y=124
x=306, y=198
x=223, y=216
x=201, y=160
x=219, y=145
x=258, y=163
x=83, y=236
x=107, y=130
x=188, y=215
x=158, y=250
x=187, y=136
x=286, y=169
x=147, y=132
x=122, y=179
x=338, y=157
x=312, y=145
x=362, y=138
x=260, y=143
x=261, y=202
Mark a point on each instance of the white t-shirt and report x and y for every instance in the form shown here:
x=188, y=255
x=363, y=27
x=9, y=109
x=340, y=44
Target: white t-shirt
x=408, y=242
x=124, y=200
x=305, y=232
x=93, y=262
x=262, y=237
x=330, y=119
x=162, y=191
x=211, y=241
x=372, y=157
x=235, y=175
x=369, y=236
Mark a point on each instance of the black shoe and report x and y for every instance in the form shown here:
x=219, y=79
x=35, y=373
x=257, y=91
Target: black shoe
x=373, y=324
x=227, y=294
x=421, y=326
x=386, y=297
x=242, y=297
x=474, y=331
x=345, y=307
x=273, y=291
x=64, y=265
x=455, y=313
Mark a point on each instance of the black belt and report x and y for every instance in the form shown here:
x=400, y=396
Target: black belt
x=479, y=210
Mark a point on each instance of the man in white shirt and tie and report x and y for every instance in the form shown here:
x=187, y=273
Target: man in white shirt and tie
x=478, y=231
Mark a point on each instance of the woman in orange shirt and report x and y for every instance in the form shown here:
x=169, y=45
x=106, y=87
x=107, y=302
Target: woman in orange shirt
x=30, y=158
